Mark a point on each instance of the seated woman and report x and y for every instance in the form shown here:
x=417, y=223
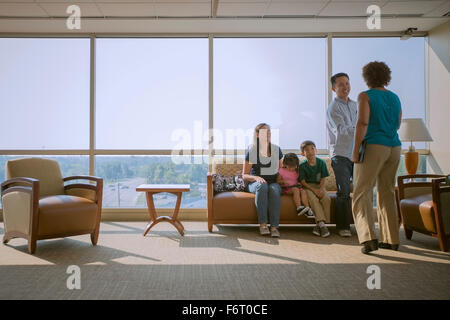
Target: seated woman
x=262, y=161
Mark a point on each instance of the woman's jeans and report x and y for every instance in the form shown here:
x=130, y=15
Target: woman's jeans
x=267, y=201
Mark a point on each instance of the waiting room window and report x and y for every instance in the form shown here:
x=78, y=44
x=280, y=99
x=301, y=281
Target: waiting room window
x=280, y=81
x=44, y=93
x=150, y=92
x=405, y=58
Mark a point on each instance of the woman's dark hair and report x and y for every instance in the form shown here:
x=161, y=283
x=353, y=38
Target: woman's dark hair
x=376, y=74
x=291, y=159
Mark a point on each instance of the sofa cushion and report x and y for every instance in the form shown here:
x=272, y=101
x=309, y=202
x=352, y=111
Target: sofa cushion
x=418, y=213
x=239, y=206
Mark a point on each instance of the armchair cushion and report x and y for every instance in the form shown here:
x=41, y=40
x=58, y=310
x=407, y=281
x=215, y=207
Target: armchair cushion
x=64, y=214
x=47, y=171
x=418, y=213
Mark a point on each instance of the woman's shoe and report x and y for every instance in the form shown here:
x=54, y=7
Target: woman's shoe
x=274, y=233
x=264, y=231
x=369, y=246
x=389, y=246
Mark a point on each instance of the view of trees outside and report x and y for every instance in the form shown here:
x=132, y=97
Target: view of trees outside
x=122, y=174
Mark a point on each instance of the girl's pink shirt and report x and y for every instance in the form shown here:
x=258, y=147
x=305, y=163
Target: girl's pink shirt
x=289, y=176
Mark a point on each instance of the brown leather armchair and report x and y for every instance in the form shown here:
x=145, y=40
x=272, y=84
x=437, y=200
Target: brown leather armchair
x=425, y=206
x=37, y=205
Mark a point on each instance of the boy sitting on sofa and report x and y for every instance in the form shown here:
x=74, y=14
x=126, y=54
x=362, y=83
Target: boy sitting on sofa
x=312, y=175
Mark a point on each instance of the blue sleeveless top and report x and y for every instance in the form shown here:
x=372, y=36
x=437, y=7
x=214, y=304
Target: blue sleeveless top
x=384, y=118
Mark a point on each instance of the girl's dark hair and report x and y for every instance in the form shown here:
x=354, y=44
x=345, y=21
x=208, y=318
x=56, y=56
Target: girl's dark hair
x=291, y=159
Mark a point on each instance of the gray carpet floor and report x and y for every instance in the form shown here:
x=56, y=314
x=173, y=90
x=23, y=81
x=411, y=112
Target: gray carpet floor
x=233, y=262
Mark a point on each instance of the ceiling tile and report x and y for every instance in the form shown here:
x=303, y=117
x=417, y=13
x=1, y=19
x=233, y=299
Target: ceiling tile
x=410, y=7
x=127, y=10
x=348, y=8
x=241, y=9
x=68, y=2
x=247, y=1
x=21, y=10
x=60, y=9
x=295, y=8
x=147, y=1
x=183, y=9
x=16, y=1
x=440, y=10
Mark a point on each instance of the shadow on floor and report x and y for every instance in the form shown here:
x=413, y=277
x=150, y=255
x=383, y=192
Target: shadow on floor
x=71, y=251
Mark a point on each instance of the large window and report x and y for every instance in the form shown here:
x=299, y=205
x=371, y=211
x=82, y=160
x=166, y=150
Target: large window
x=406, y=59
x=279, y=81
x=44, y=94
x=151, y=93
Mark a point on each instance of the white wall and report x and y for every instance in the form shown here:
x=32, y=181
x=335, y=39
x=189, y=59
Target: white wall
x=439, y=94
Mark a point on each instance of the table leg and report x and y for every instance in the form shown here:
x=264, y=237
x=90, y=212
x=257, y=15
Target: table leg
x=155, y=219
x=175, y=220
x=151, y=211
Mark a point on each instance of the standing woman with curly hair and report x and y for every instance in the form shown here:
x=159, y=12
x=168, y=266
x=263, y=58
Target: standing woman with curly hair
x=379, y=117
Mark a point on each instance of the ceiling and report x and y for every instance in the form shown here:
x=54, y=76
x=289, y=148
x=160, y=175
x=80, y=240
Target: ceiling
x=220, y=16
x=264, y=9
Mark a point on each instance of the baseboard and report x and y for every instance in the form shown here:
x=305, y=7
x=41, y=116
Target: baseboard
x=140, y=215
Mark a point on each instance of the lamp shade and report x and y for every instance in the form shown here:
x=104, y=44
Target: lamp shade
x=414, y=130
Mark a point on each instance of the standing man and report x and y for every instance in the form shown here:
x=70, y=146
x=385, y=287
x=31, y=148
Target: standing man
x=341, y=123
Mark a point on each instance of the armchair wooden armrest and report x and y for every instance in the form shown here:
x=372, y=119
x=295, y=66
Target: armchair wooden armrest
x=30, y=184
x=402, y=185
x=98, y=187
x=209, y=192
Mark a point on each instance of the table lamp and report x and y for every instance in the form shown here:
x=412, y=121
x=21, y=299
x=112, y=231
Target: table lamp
x=413, y=130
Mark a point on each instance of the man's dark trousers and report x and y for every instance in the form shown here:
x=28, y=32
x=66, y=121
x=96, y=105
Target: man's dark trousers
x=343, y=170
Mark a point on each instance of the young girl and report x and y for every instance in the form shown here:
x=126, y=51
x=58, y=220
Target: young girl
x=288, y=180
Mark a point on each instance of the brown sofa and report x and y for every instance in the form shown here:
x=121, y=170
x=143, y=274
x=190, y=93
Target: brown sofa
x=239, y=207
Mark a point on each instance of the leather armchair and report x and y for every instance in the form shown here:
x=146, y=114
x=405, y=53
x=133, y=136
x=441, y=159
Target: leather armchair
x=425, y=206
x=37, y=205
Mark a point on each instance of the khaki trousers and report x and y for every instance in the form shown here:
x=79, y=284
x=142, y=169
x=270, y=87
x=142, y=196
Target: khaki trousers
x=321, y=207
x=379, y=167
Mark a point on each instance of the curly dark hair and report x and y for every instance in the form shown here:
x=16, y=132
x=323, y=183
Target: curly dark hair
x=376, y=74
